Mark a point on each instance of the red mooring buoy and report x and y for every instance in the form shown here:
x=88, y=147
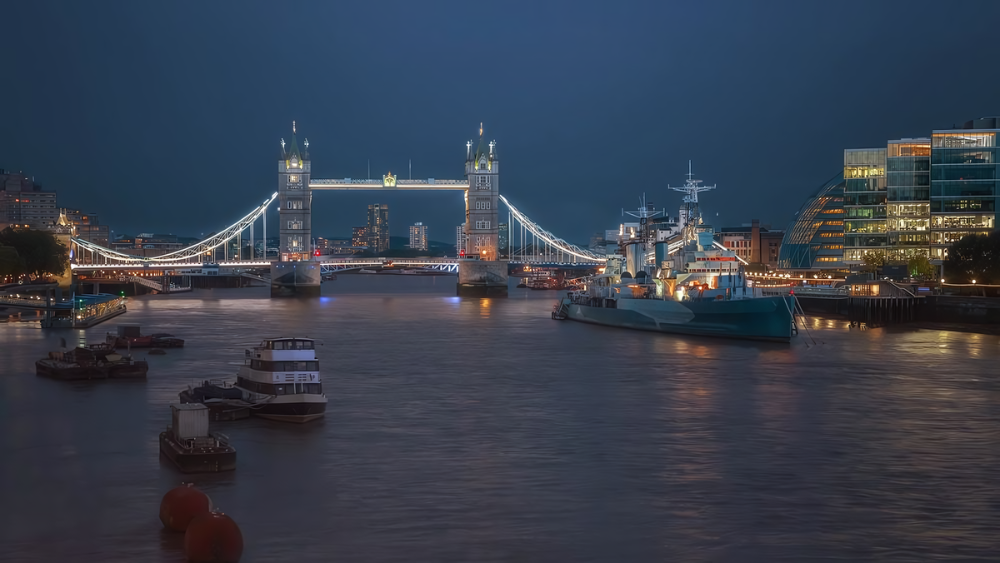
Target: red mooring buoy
x=181, y=505
x=213, y=538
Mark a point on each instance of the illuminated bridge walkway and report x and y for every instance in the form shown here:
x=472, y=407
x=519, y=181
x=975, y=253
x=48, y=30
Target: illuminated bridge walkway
x=529, y=243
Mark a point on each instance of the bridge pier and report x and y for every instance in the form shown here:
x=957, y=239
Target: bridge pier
x=295, y=279
x=482, y=278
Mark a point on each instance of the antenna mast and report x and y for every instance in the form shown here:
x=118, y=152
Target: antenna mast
x=691, y=189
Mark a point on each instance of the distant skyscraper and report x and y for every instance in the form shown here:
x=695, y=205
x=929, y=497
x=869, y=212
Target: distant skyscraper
x=597, y=242
x=378, y=227
x=418, y=236
x=360, y=237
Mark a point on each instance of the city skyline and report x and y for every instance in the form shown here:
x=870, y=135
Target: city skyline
x=663, y=97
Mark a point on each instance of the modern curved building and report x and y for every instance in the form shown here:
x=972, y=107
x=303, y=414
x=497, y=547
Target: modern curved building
x=815, y=239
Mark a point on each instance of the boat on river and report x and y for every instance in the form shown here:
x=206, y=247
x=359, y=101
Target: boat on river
x=129, y=336
x=693, y=286
x=92, y=362
x=191, y=447
x=279, y=380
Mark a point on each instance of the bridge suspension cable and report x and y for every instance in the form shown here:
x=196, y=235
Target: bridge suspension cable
x=549, y=238
x=189, y=253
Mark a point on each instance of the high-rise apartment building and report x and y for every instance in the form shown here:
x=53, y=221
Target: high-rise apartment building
x=908, y=207
x=965, y=184
x=418, y=236
x=378, y=227
x=23, y=203
x=864, y=203
x=359, y=237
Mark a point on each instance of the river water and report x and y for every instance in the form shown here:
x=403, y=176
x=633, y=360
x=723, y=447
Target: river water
x=482, y=430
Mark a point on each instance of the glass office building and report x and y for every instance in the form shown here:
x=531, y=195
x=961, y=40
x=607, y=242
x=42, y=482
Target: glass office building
x=815, y=240
x=864, y=203
x=964, y=183
x=908, y=206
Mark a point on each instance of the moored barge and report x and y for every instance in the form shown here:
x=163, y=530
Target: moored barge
x=191, y=447
x=129, y=336
x=94, y=362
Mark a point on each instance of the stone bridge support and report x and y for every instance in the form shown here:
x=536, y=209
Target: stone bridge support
x=482, y=278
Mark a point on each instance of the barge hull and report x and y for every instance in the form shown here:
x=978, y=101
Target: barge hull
x=222, y=459
x=290, y=412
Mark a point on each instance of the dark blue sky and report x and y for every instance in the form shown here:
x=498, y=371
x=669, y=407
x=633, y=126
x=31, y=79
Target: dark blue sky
x=166, y=116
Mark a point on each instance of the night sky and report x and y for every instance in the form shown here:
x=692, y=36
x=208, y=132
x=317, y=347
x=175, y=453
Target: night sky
x=166, y=116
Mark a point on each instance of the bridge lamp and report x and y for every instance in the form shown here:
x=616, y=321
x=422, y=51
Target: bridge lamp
x=973, y=281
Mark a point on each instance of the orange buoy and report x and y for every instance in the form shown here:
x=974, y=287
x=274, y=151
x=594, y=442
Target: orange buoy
x=213, y=538
x=181, y=505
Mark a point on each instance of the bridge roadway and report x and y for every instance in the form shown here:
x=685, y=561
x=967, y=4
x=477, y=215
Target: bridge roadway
x=335, y=264
x=397, y=184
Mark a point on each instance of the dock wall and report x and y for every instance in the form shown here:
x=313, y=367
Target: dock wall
x=960, y=309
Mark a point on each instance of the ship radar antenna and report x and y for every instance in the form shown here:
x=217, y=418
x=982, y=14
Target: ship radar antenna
x=691, y=189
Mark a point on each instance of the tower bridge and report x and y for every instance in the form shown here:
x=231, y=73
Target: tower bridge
x=297, y=271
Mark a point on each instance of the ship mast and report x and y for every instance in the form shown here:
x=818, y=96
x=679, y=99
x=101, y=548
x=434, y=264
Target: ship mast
x=691, y=189
x=636, y=249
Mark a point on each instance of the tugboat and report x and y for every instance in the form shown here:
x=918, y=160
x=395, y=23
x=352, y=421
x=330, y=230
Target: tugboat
x=93, y=362
x=279, y=381
x=190, y=445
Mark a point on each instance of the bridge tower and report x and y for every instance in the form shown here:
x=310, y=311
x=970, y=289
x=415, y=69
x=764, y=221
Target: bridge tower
x=487, y=275
x=482, y=168
x=295, y=272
